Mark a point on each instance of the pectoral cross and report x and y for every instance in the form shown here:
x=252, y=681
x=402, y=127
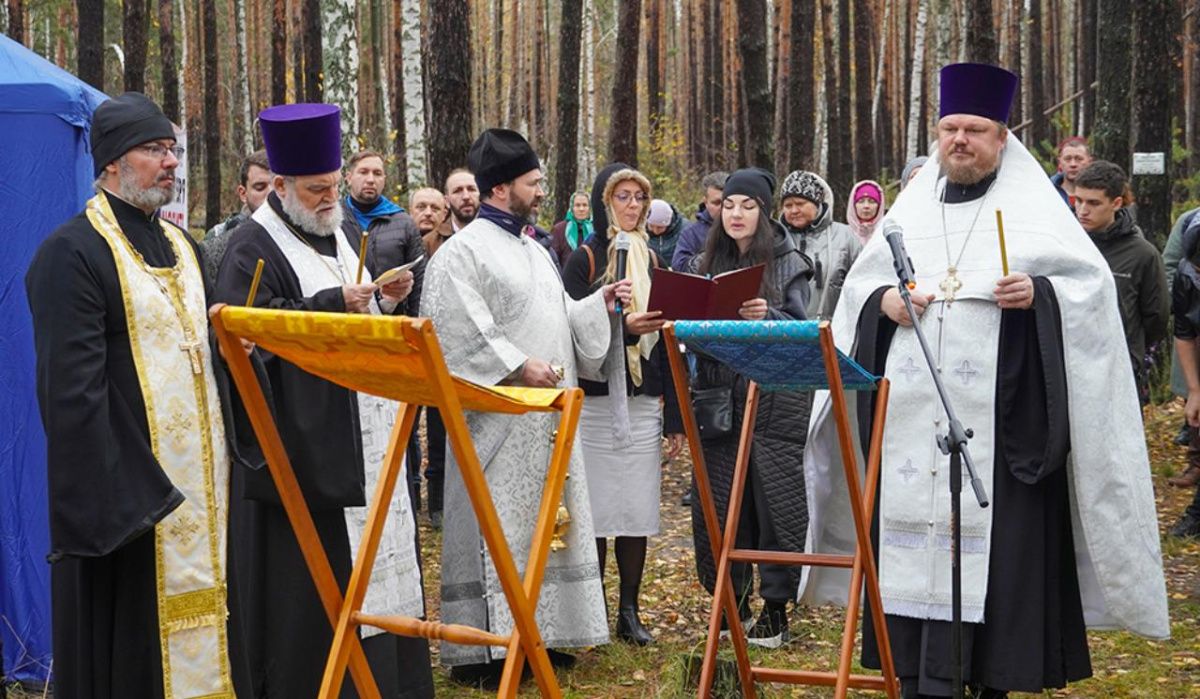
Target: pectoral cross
x=950, y=284
x=193, y=350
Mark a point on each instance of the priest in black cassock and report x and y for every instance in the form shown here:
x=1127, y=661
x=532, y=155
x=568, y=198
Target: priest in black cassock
x=335, y=438
x=138, y=467
x=1029, y=343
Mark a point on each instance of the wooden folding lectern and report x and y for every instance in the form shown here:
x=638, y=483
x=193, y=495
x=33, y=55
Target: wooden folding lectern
x=399, y=358
x=784, y=355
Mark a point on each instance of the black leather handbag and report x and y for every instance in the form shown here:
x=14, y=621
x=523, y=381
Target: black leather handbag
x=714, y=411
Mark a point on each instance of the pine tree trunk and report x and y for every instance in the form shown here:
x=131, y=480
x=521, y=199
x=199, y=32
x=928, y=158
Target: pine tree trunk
x=16, y=20
x=981, y=33
x=134, y=44
x=399, y=123
x=166, y=44
x=654, y=86
x=622, y=135
x=779, y=83
x=449, y=87
x=842, y=168
x=800, y=85
x=339, y=49
x=314, y=89
x=718, y=142
x=754, y=23
x=567, y=158
x=212, y=118
x=90, y=42
x=1192, y=80
x=1155, y=22
x=1037, y=89
x=865, y=158
x=1114, y=70
x=279, y=51
x=1086, y=62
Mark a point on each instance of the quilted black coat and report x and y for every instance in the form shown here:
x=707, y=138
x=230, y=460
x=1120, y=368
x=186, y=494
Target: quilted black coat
x=780, y=430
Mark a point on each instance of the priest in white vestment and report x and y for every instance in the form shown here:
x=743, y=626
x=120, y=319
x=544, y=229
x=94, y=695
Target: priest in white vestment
x=502, y=317
x=1034, y=363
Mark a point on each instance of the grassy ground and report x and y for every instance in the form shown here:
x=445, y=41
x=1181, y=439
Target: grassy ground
x=676, y=608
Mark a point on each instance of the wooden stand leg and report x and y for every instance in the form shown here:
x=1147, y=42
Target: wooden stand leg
x=709, y=511
x=864, y=554
x=539, y=554
x=490, y=529
x=360, y=577
x=724, y=585
x=291, y=496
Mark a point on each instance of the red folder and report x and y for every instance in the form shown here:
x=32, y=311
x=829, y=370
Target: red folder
x=683, y=296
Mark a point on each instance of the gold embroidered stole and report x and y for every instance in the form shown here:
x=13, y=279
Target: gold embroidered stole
x=168, y=329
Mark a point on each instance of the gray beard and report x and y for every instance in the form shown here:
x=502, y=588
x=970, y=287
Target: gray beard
x=309, y=221
x=145, y=199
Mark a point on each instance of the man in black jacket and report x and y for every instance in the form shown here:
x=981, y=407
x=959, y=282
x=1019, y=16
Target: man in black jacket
x=1100, y=194
x=393, y=238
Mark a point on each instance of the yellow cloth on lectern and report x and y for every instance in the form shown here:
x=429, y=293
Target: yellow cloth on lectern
x=370, y=354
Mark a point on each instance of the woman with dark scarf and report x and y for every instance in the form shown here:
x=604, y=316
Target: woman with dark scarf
x=624, y=419
x=774, y=514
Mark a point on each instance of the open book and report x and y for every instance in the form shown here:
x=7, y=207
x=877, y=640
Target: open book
x=683, y=296
x=392, y=274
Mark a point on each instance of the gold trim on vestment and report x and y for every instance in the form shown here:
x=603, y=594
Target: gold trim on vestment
x=183, y=615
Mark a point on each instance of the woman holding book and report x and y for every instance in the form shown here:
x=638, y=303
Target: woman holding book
x=774, y=514
x=625, y=417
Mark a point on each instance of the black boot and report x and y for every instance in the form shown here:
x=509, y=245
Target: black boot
x=629, y=627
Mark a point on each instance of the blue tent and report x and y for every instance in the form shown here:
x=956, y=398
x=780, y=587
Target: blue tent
x=45, y=178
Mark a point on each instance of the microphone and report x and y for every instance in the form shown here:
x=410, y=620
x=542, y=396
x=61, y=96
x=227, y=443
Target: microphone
x=622, y=247
x=894, y=234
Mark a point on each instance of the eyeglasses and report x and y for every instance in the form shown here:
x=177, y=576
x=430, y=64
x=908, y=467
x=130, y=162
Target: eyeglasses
x=624, y=197
x=157, y=150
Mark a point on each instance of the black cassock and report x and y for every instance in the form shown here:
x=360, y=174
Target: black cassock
x=1033, y=636
x=106, y=488
x=284, y=634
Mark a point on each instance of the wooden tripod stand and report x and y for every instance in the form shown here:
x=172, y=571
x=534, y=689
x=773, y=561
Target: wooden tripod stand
x=777, y=353
x=399, y=358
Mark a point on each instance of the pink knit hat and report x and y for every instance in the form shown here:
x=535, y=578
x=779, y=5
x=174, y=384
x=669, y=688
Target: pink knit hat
x=867, y=189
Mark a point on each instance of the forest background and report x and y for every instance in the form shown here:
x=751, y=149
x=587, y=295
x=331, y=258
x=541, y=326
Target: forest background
x=847, y=88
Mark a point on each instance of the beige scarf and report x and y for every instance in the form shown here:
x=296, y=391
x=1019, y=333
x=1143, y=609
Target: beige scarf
x=638, y=267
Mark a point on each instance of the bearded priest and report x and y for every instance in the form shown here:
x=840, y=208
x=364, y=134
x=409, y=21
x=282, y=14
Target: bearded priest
x=335, y=438
x=1034, y=362
x=137, y=461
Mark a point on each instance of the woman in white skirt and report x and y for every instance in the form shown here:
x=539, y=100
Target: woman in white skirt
x=624, y=419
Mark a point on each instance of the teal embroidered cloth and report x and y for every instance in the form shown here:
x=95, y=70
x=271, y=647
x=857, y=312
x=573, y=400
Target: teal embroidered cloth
x=779, y=355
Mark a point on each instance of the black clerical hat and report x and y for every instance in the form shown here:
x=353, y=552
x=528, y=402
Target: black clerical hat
x=977, y=88
x=499, y=156
x=123, y=122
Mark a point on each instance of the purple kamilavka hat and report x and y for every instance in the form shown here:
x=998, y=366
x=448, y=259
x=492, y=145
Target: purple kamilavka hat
x=978, y=88
x=302, y=139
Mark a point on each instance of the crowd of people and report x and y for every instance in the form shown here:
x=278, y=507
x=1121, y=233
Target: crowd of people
x=165, y=523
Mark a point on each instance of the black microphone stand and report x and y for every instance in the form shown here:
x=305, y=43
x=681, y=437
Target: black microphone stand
x=953, y=443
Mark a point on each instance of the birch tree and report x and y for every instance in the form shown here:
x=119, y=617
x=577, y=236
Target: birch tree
x=414, y=92
x=244, y=136
x=915, y=91
x=339, y=37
